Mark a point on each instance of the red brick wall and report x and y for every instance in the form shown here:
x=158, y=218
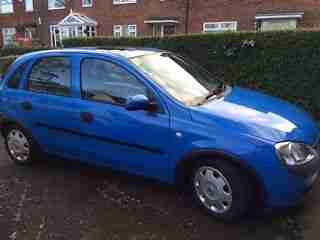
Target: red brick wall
x=107, y=14
x=244, y=11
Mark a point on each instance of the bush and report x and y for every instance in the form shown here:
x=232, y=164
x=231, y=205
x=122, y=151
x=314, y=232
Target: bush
x=8, y=55
x=284, y=64
x=5, y=62
x=11, y=51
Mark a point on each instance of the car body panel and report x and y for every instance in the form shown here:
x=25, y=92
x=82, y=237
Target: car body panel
x=243, y=124
x=256, y=114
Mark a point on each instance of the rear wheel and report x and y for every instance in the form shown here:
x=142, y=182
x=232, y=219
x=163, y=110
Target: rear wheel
x=20, y=146
x=221, y=189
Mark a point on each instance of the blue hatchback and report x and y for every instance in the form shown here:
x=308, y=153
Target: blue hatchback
x=157, y=114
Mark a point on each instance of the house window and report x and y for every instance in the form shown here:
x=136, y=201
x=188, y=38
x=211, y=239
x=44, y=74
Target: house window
x=56, y=4
x=278, y=24
x=87, y=3
x=9, y=36
x=29, y=5
x=125, y=31
x=219, y=26
x=132, y=30
x=117, y=2
x=117, y=31
x=90, y=31
x=278, y=20
x=6, y=6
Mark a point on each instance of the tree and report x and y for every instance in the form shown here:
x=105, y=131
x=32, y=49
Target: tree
x=185, y=7
x=187, y=15
x=40, y=18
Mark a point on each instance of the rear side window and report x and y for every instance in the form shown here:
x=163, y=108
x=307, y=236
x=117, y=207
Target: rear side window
x=51, y=75
x=107, y=82
x=15, y=79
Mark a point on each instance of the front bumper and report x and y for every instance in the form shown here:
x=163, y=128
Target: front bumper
x=285, y=186
x=294, y=193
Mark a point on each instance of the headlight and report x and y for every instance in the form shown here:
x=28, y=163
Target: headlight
x=296, y=153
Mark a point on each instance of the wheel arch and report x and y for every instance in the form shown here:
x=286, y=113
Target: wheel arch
x=6, y=121
x=186, y=164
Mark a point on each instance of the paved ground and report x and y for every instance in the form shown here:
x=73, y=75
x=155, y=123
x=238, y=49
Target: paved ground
x=61, y=200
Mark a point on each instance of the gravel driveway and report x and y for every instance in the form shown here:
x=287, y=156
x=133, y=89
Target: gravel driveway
x=58, y=199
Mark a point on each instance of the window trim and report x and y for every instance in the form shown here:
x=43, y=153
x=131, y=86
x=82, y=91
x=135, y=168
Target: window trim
x=29, y=71
x=87, y=5
x=136, y=30
x=121, y=30
x=122, y=2
x=25, y=6
x=150, y=91
x=220, y=29
x=124, y=28
x=10, y=12
x=56, y=8
x=4, y=38
x=259, y=24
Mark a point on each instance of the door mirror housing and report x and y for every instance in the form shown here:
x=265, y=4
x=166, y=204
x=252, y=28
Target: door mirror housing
x=139, y=102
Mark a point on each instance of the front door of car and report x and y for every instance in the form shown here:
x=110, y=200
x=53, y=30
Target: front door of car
x=48, y=103
x=136, y=141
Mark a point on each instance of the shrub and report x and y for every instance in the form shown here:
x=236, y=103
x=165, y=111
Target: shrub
x=5, y=62
x=11, y=51
x=284, y=64
x=8, y=55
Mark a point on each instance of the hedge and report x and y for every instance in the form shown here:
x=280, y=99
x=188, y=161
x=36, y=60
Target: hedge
x=5, y=63
x=284, y=64
x=8, y=55
x=11, y=51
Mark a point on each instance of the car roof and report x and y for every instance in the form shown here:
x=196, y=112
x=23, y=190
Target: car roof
x=125, y=53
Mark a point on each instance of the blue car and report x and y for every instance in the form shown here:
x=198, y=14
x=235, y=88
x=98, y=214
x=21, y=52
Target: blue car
x=157, y=114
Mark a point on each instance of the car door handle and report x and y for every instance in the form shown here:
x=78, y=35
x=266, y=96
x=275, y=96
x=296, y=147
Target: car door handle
x=26, y=106
x=87, y=117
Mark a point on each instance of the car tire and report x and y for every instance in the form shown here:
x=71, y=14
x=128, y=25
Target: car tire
x=20, y=145
x=221, y=189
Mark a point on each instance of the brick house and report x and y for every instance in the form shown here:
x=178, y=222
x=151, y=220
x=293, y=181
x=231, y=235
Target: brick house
x=50, y=21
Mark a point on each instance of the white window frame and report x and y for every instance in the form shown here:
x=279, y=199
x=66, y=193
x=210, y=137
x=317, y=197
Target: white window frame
x=56, y=8
x=85, y=5
x=125, y=30
x=6, y=2
x=119, y=2
x=5, y=38
x=131, y=31
x=28, y=5
x=220, y=28
x=117, y=29
x=274, y=20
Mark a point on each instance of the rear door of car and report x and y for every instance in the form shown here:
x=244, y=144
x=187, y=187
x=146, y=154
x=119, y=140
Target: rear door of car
x=47, y=100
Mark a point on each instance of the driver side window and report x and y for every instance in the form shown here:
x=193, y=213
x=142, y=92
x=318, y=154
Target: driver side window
x=107, y=82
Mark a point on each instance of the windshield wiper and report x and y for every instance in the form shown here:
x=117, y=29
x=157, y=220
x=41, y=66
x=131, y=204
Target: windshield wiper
x=214, y=92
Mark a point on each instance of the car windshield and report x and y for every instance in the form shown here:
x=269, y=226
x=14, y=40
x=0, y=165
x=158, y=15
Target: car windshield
x=183, y=79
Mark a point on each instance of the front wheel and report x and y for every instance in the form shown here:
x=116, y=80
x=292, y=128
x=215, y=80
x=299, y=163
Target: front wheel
x=221, y=189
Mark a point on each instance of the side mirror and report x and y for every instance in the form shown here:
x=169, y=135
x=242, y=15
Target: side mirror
x=138, y=102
